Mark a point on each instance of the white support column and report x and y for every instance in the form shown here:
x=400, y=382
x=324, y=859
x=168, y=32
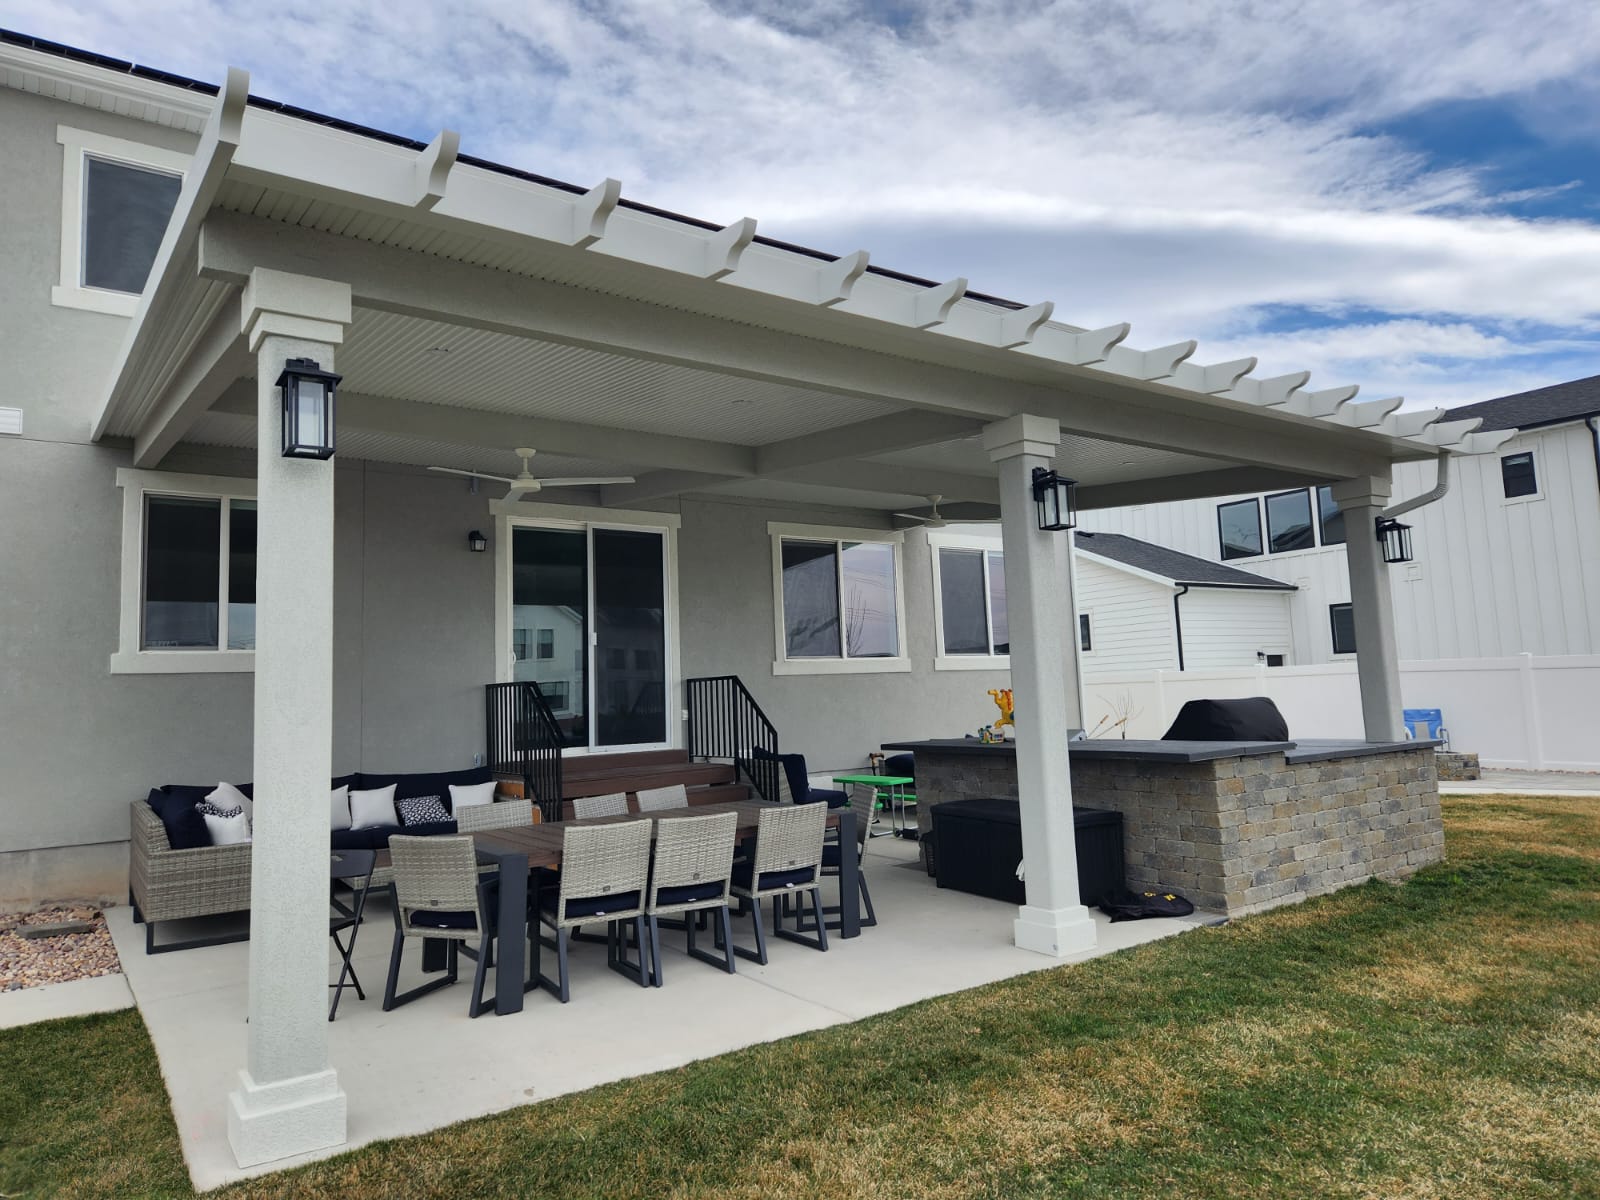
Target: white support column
x=289, y=1100
x=1044, y=667
x=1362, y=501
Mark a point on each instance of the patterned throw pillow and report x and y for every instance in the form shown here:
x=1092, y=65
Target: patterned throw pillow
x=421, y=810
x=208, y=809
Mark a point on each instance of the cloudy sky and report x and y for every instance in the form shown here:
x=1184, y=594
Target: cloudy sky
x=1403, y=194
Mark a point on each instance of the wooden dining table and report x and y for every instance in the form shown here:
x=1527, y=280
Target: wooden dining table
x=524, y=850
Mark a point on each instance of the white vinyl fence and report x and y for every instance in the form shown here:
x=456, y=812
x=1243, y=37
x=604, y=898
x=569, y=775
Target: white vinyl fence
x=1519, y=712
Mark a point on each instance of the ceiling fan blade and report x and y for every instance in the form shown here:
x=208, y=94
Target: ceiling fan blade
x=913, y=517
x=586, y=481
x=471, y=474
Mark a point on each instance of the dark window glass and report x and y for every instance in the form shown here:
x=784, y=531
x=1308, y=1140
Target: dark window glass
x=549, y=592
x=1085, y=642
x=998, y=621
x=125, y=215
x=1289, y=521
x=810, y=600
x=966, y=629
x=1342, y=618
x=630, y=615
x=241, y=575
x=1517, y=474
x=1274, y=660
x=871, y=627
x=555, y=694
x=546, y=644
x=1239, y=527
x=1331, y=518
x=182, y=572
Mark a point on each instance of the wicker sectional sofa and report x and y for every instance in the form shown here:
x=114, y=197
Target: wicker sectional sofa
x=172, y=885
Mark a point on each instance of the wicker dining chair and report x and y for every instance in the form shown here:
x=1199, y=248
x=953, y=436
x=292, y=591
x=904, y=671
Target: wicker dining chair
x=614, y=805
x=785, y=865
x=692, y=874
x=441, y=892
x=864, y=803
x=605, y=870
x=662, y=798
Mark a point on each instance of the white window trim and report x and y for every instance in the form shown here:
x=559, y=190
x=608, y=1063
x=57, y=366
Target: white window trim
x=782, y=664
x=1538, y=477
x=77, y=145
x=512, y=514
x=939, y=540
x=130, y=658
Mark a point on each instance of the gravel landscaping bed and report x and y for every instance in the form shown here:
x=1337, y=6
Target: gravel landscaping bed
x=31, y=962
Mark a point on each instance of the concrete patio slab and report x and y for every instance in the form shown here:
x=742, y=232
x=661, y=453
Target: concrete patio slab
x=1525, y=783
x=75, y=998
x=428, y=1064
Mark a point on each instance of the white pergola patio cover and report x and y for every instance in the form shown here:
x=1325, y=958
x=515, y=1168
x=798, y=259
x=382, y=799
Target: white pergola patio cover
x=294, y=237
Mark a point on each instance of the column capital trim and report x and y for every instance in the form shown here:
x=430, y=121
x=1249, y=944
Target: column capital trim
x=1365, y=491
x=296, y=306
x=1023, y=434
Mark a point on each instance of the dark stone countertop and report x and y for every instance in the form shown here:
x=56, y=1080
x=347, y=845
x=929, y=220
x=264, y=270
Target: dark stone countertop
x=1301, y=751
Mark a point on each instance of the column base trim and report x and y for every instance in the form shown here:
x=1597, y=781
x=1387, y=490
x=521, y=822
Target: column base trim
x=269, y=1121
x=1056, y=932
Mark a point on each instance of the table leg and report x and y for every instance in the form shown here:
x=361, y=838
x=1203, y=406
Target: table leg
x=849, y=877
x=513, y=934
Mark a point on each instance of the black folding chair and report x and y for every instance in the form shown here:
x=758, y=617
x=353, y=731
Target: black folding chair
x=353, y=868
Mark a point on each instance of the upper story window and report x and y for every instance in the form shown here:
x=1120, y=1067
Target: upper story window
x=188, y=573
x=971, y=586
x=1518, y=476
x=1330, y=518
x=1239, y=529
x=839, y=601
x=1289, y=521
x=117, y=197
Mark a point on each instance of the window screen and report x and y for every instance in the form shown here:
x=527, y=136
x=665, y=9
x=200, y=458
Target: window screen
x=1239, y=529
x=125, y=214
x=1517, y=474
x=1342, y=618
x=1289, y=521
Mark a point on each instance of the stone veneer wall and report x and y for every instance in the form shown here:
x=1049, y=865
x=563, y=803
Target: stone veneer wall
x=1239, y=835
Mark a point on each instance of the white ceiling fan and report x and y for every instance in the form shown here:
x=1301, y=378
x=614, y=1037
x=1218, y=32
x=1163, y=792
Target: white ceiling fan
x=935, y=521
x=525, y=484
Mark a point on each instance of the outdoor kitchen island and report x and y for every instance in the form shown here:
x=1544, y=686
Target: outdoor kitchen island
x=1237, y=827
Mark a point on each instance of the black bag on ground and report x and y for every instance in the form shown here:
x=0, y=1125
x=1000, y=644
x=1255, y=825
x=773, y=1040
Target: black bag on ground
x=1136, y=906
x=1256, y=719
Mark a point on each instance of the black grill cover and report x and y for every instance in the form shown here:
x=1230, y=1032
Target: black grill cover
x=1256, y=719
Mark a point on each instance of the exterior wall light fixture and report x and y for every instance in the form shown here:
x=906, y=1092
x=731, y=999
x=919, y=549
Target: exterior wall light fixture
x=1396, y=539
x=1056, y=500
x=308, y=393
x=476, y=542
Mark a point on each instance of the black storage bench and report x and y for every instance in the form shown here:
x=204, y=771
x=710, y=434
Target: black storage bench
x=978, y=846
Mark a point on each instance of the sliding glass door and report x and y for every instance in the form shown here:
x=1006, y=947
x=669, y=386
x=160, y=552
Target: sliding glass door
x=588, y=624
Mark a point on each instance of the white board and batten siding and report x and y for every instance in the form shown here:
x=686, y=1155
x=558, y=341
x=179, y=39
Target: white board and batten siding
x=1492, y=576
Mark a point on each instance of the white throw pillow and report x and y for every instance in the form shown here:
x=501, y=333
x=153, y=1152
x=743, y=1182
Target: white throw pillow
x=227, y=797
x=465, y=795
x=372, y=808
x=339, y=807
x=228, y=831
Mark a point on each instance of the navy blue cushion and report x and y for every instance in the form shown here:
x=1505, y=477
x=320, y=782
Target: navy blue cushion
x=833, y=797
x=689, y=893
x=428, y=919
x=437, y=783
x=376, y=837
x=830, y=854
x=903, y=765
x=175, y=804
x=594, y=906
x=794, y=770
x=798, y=877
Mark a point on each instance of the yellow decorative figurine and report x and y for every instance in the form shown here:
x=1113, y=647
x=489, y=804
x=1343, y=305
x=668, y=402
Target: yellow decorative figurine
x=1002, y=701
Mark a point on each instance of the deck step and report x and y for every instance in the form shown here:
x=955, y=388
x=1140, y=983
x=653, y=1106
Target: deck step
x=645, y=776
x=585, y=766
x=716, y=793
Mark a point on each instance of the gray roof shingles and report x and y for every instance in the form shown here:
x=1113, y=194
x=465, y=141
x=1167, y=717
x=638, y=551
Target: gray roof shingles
x=1542, y=406
x=1170, y=564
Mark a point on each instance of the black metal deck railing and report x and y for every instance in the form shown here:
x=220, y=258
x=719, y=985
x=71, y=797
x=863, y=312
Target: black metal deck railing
x=524, y=740
x=725, y=722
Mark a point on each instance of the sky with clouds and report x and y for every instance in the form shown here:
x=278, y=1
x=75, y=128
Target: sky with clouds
x=1403, y=194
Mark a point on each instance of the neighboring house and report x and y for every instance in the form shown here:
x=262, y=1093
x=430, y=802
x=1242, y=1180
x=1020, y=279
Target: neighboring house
x=1506, y=562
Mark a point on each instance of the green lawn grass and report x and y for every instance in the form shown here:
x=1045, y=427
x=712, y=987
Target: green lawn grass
x=1436, y=1039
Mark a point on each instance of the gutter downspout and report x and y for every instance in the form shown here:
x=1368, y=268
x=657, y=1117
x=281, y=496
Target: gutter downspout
x=1177, y=618
x=1441, y=485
